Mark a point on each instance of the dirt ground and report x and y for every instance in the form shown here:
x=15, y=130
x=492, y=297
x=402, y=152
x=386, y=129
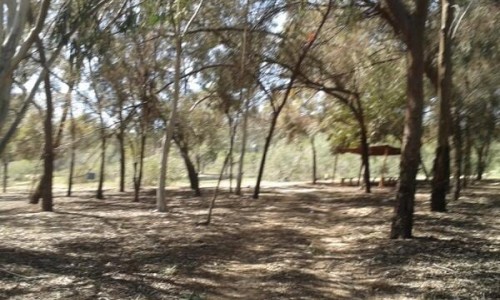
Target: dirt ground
x=295, y=242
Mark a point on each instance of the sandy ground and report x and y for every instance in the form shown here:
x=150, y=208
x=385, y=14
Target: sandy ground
x=297, y=241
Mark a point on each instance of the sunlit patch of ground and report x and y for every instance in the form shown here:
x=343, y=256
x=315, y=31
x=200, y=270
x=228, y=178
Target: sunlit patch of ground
x=296, y=242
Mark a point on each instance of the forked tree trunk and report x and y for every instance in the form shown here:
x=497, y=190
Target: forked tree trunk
x=190, y=168
x=56, y=142
x=44, y=187
x=402, y=221
x=441, y=177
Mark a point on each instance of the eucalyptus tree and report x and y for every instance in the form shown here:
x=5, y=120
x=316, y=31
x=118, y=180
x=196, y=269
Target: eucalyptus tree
x=180, y=17
x=68, y=19
x=408, y=20
x=20, y=24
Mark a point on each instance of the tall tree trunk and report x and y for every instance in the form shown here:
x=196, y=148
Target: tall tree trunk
x=161, y=201
x=402, y=221
x=48, y=156
x=441, y=170
x=314, y=168
x=246, y=100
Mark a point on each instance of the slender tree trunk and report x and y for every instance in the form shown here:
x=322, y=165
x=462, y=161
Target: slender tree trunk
x=441, y=177
x=231, y=171
x=216, y=191
x=314, y=168
x=233, y=126
x=402, y=221
x=246, y=105
x=480, y=163
x=138, y=176
x=121, y=143
x=364, y=150
x=161, y=201
x=267, y=143
x=71, y=172
x=100, y=192
x=73, y=154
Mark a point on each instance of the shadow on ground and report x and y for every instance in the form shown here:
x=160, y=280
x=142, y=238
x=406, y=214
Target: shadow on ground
x=298, y=242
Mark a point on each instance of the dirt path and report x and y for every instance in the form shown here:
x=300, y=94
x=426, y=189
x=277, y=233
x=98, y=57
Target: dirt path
x=296, y=242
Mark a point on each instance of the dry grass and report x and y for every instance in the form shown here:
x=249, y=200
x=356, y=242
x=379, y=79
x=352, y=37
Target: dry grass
x=296, y=242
